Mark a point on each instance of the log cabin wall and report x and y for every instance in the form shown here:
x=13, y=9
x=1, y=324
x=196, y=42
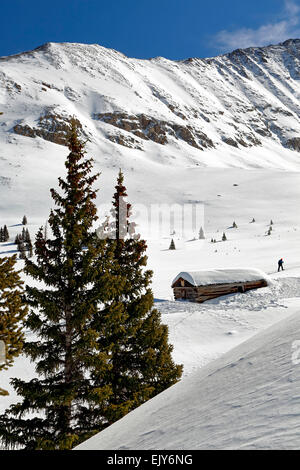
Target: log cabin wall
x=183, y=290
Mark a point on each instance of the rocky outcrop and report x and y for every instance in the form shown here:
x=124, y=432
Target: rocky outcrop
x=247, y=140
x=9, y=85
x=50, y=126
x=293, y=144
x=126, y=141
x=4, y=181
x=230, y=141
x=149, y=128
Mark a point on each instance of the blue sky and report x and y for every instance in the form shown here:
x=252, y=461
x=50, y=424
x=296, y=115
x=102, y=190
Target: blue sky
x=175, y=29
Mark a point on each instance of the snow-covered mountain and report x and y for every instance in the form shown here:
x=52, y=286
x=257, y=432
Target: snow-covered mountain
x=242, y=99
x=236, y=110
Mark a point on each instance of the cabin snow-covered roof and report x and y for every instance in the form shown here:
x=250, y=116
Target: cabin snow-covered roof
x=221, y=276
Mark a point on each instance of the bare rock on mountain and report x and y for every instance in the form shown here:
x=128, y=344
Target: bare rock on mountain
x=50, y=126
x=293, y=144
x=149, y=128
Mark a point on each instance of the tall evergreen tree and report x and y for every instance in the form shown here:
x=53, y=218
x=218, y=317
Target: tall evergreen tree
x=141, y=362
x=66, y=351
x=12, y=311
x=24, y=220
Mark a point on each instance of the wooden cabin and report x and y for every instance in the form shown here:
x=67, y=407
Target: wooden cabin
x=199, y=286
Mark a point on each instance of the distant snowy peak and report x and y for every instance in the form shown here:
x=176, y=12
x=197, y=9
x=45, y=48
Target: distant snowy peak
x=248, y=98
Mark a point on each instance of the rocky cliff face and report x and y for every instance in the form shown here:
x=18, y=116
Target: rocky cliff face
x=248, y=98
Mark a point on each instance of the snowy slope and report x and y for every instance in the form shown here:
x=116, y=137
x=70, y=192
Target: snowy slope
x=247, y=399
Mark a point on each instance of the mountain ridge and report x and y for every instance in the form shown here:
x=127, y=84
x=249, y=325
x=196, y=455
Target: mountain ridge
x=239, y=110
x=44, y=46
x=205, y=103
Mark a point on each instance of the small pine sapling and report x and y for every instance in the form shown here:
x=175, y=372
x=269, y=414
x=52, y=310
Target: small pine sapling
x=172, y=245
x=201, y=234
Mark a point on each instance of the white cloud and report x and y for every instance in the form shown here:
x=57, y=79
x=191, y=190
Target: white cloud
x=274, y=32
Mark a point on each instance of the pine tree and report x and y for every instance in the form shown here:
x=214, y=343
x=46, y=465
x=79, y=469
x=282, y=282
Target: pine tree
x=201, y=234
x=22, y=250
x=172, y=245
x=252, y=221
x=1, y=235
x=224, y=238
x=12, y=311
x=141, y=362
x=66, y=351
x=27, y=236
x=271, y=222
x=5, y=234
x=29, y=249
x=24, y=220
x=234, y=225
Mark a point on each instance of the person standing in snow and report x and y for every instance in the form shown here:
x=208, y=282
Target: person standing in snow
x=280, y=264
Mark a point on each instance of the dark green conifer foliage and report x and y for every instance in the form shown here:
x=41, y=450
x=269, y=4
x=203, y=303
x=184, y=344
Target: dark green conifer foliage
x=1, y=235
x=66, y=351
x=24, y=220
x=141, y=362
x=5, y=234
x=22, y=250
x=172, y=245
x=12, y=310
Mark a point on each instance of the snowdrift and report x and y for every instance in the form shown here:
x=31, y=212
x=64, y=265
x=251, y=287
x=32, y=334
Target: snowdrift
x=222, y=276
x=247, y=399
